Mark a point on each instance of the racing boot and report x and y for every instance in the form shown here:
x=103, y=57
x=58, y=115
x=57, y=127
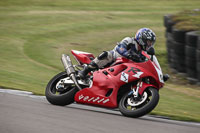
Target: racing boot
x=91, y=67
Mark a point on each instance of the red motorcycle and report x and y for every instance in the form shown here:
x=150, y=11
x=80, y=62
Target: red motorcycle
x=128, y=85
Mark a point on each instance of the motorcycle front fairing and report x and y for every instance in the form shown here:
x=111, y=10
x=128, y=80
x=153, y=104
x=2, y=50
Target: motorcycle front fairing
x=106, y=82
x=98, y=93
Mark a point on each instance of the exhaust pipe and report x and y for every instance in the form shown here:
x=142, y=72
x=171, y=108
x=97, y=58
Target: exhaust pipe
x=67, y=64
x=69, y=68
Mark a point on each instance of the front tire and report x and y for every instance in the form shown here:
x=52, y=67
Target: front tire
x=135, y=109
x=61, y=98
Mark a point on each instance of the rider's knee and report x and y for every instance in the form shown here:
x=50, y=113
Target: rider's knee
x=103, y=55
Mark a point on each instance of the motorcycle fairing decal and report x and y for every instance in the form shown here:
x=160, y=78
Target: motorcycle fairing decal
x=160, y=75
x=93, y=99
x=158, y=69
x=124, y=77
x=138, y=74
x=80, y=52
x=134, y=70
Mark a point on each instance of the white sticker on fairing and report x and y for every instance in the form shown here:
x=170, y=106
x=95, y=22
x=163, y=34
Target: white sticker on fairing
x=138, y=74
x=93, y=99
x=80, y=97
x=124, y=77
x=158, y=69
x=80, y=52
x=85, y=98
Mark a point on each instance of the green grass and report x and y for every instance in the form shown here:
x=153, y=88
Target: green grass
x=34, y=34
x=187, y=20
x=179, y=102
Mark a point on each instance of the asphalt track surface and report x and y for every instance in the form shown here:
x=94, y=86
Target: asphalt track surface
x=26, y=113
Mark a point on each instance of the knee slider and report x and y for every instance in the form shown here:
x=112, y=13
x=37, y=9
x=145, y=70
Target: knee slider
x=103, y=55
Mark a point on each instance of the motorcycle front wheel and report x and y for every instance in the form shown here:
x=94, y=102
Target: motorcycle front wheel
x=57, y=96
x=137, y=108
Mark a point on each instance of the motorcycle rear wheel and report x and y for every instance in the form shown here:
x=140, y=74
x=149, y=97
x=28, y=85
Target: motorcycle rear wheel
x=142, y=108
x=60, y=98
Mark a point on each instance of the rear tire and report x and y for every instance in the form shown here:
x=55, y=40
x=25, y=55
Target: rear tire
x=144, y=108
x=58, y=98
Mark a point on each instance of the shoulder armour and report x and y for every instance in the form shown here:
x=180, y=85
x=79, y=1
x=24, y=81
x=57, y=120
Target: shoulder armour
x=127, y=40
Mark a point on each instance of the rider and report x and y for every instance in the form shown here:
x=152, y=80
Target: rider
x=129, y=47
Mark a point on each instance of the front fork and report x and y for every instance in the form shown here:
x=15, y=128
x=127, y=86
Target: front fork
x=140, y=88
x=135, y=92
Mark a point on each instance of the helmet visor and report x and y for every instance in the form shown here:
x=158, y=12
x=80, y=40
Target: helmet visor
x=149, y=44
